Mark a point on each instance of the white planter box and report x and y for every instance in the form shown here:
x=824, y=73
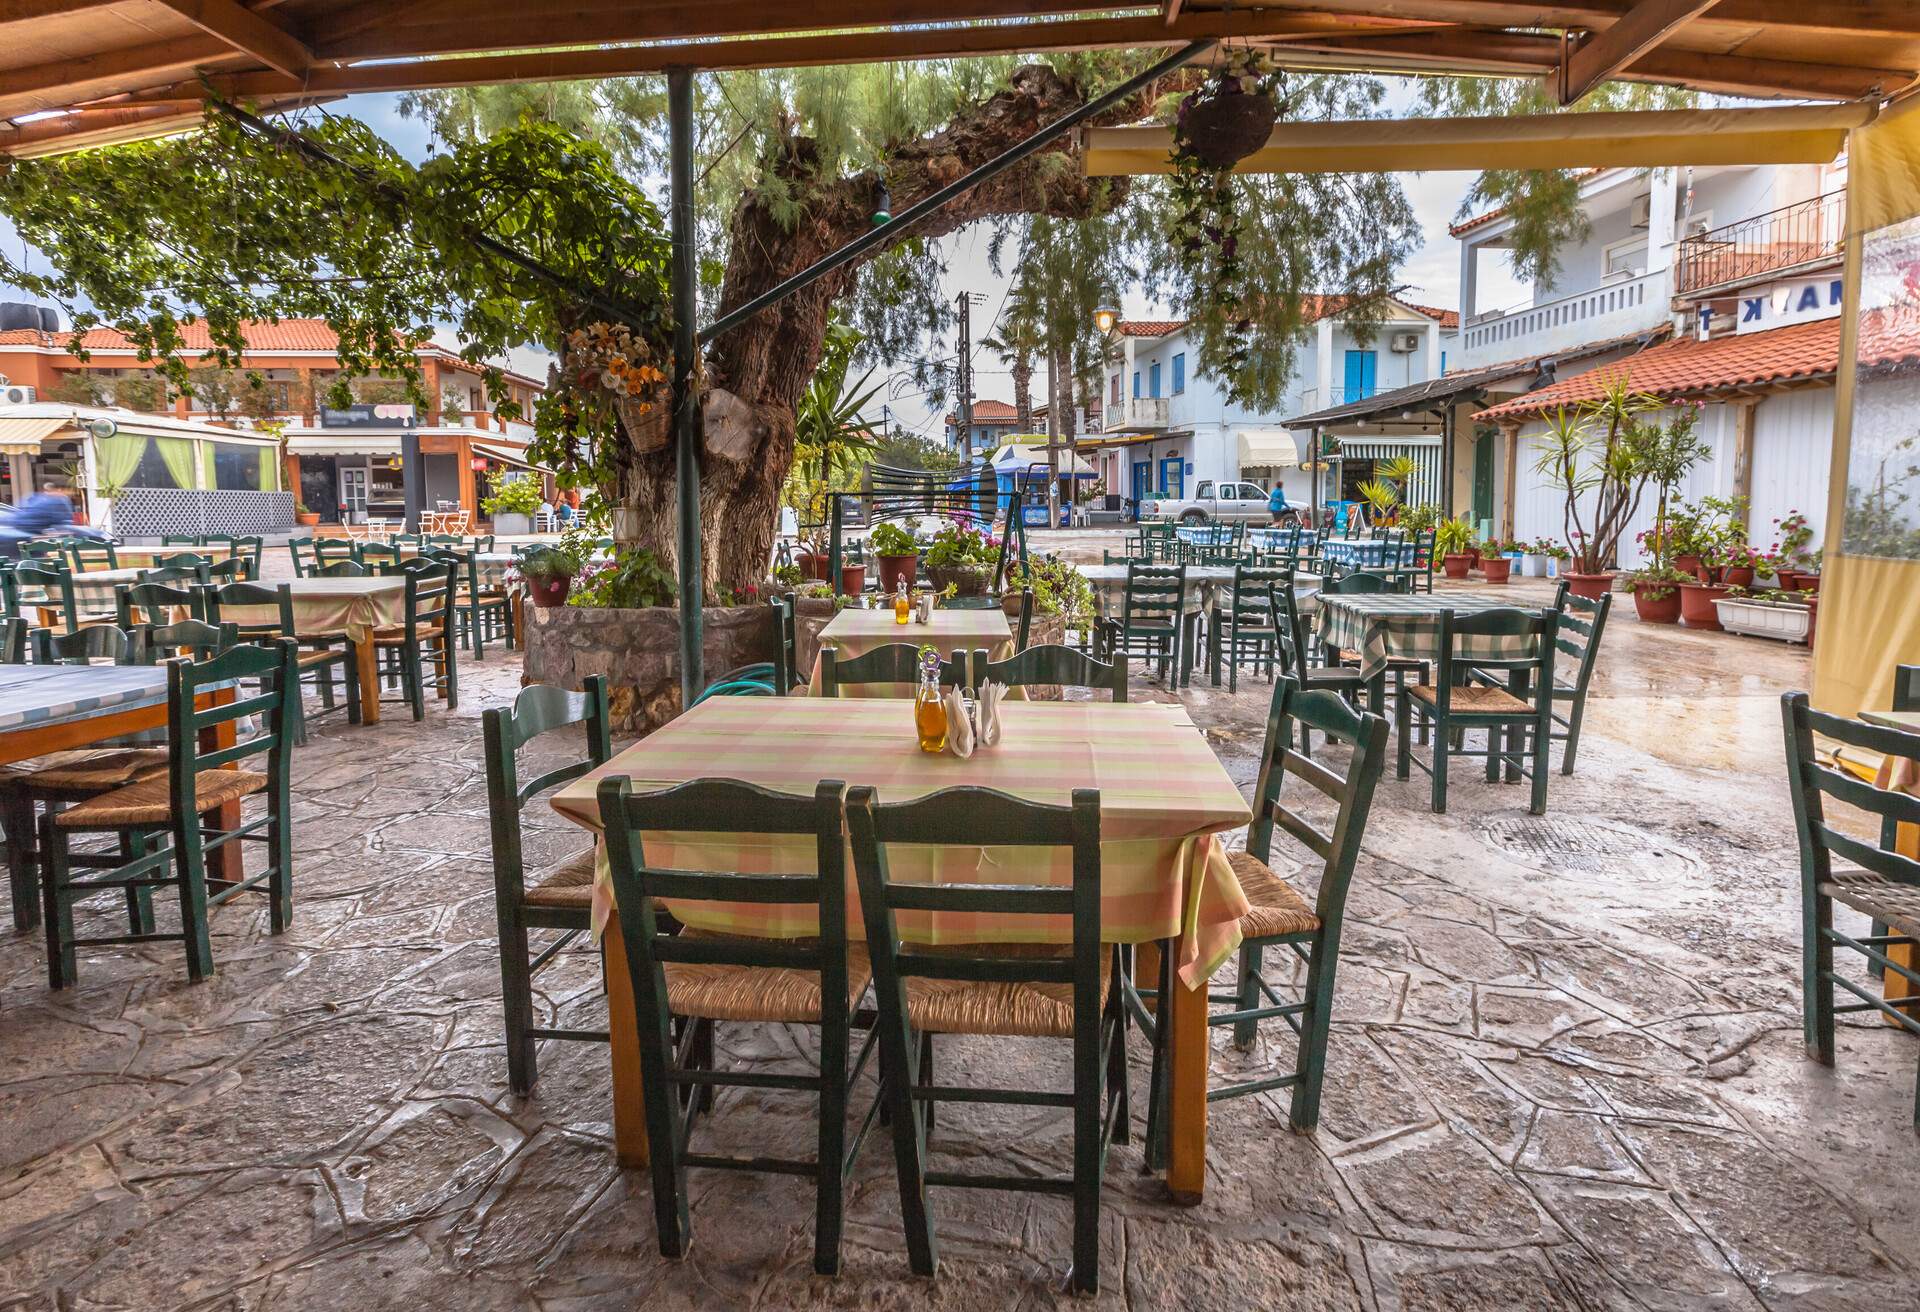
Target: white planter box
x=1764, y=619
x=1532, y=566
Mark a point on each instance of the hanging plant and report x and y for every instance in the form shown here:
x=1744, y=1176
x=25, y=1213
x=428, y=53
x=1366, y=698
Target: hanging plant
x=1223, y=121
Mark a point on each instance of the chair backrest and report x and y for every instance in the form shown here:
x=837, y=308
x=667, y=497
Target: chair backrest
x=153, y=643
x=182, y=540
x=328, y=550
x=1358, y=583
x=1290, y=630
x=896, y=662
x=302, y=550
x=192, y=560
x=54, y=582
x=1351, y=794
x=1048, y=664
x=89, y=553
x=1811, y=782
x=1906, y=687
x=231, y=570
x=275, y=671
x=539, y=709
x=279, y=599
x=151, y=602
x=54, y=549
x=1154, y=594
x=342, y=569
x=13, y=640
x=250, y=549
x=726, y=807
x=433, y=594
x=1582, y=621
x=375, y=553
x=1536, y=654
x=972, y=818
x=96, y=642
x=1251, y=601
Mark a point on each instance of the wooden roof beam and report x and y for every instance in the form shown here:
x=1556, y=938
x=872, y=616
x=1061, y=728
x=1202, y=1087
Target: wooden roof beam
x=64, y=82
x=1840, y=17
x=247, y=32
x=1597, y=58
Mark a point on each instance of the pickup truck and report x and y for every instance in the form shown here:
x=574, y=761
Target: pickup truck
x=1211, y=502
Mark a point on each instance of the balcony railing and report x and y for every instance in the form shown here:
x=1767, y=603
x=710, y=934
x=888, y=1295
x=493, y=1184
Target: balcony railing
x=1807, y=232
x=1135, y=412
x=1308, y=400
x=1612, y=310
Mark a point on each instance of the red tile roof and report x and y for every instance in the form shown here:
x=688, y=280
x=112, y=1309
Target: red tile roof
x=988, y=412
x=287, y=335
x=1148, y=327
x=1313, y=307
x=1468, y=224
x=1689, y=367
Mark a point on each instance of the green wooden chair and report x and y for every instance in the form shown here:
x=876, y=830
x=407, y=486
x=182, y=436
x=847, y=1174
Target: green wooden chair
x=896, y=662
x=1297, y=650
x=1151, y=619
x=485, y=612
x=193, y=639
x=1582, y=621
x=425, y=637
x=193, y=560
x=1280, y=916
x=375, y=555
x=231, y=570
x=1059, y=665
x=1518, y=719
x=302, y=553
x=52, y=550
x=13, y=640
x=332, y=551
x=183, y=540
x=342, y=569
x=153, y=601
x=319, y=655
x=48, y=588
x=170, y=821
x=1041, y=991
x=96, y=642
x=249, y=549
x=1872, y=879
x=91, y=553
x=697, y=978
x=558, y=897
x=1247, y=627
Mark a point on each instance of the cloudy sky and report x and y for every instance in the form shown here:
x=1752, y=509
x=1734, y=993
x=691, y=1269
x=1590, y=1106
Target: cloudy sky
x=1432, y=275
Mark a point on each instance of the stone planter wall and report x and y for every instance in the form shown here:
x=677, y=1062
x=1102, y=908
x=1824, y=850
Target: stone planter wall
x=639, y=653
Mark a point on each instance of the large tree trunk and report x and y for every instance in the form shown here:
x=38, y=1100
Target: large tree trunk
x=760, y=370
x=1023, y=392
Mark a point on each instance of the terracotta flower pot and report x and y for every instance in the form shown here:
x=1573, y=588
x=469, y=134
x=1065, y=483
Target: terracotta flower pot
x=1737, y=576
x=550, y=590
x=1687, y=565
x=309, y=519
x=813, y=565
x=1809, y=582
x=1591, y=586
x=853, y=580
x=1658, y=605
x=1697, y=610
x=1496, y=568
x=1787, y=580
x=1456, y=565
x=895, y=570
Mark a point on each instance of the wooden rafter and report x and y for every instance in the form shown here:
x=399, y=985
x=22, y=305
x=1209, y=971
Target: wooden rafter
x=247, y=32
x=65, y=82
x=1637, y=32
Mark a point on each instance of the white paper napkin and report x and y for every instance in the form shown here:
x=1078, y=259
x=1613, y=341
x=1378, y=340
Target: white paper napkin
x=959, y=725
x=989, y=732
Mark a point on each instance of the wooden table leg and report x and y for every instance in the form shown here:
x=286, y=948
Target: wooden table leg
x=1187, y=1093
x=623, y=1031
x=519, y=604
x=369, y=674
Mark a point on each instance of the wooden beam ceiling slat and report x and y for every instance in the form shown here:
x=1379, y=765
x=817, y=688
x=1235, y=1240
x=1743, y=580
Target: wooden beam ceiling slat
x=23, y=11
x=52, y=85
x=246, y=32
x=1637, y=32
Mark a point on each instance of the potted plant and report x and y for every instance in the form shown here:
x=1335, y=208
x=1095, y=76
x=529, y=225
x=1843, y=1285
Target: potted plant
x=1697, y=610
x=1600, y=455
x=960, y=556
x=1770, y=614
x=1232, y=114
x=896, y=554
x=1734, y=564
x=512, y=506
x=1792, y=560
x=303, y=517
x=549, y=573
x=1497, y=564
x=1451, y=541
x=1667, y=453
x=1656, y=592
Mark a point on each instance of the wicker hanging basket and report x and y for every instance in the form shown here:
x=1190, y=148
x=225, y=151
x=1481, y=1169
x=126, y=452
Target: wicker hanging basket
x=1223, y=129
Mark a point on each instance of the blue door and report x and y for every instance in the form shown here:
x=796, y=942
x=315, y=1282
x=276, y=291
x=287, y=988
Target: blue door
x=1173, y=481
x=1153, y=379
x=1360, y=375
x=1142, y=480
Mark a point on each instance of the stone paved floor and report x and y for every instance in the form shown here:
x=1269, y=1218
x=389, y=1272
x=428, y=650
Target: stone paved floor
x=1568, y=1078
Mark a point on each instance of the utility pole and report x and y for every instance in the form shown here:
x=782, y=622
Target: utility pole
x=963, y=379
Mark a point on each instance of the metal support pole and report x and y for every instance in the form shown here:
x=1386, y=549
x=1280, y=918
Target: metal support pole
x=413, y=495
x=1447, y=458
x=686, y=425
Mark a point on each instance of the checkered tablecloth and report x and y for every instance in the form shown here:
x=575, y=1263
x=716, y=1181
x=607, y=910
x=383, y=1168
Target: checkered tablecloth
x=326, y=606
x=1163, y=799
x=1109, y=583
x=95, y=592
x=1369, y=555
x=39, y=696
x=1387, y=624
x=857, y=632
x=1281, y=539
x=1206, y=535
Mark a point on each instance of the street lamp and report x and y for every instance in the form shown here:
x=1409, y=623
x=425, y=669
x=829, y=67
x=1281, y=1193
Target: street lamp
x=1105, y=316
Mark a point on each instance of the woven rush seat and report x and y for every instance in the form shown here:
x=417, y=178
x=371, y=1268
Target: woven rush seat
x=391, y=637
x=951, y=1006
x=1896, y=904
x=1273, y=907
x=1348, y=656
x=148, y=801
x=308, y=659
x=1475, y=699
x=568, y=884
x=764, y=993
x=89, y=771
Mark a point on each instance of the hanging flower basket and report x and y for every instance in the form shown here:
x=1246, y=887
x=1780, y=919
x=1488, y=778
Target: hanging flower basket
x=1221, y=124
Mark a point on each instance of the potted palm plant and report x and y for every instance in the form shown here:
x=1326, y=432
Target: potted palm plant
x=1596, y=454
x=1451, y=540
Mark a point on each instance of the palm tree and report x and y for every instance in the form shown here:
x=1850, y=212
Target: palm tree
x=1017, y=339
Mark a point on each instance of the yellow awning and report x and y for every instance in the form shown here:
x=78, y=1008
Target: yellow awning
x=1272, y=448
x=1798, y=134
x=22, y=437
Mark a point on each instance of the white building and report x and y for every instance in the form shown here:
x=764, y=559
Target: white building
x=1166, y=426
x=1716, y=285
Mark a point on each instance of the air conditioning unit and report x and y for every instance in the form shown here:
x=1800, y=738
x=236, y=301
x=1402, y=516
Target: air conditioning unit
x=14, y=394
x=1404, y=343
x=1642, y=215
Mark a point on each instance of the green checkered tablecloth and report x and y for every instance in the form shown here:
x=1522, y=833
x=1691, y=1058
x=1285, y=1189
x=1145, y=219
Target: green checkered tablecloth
x=1389, y=624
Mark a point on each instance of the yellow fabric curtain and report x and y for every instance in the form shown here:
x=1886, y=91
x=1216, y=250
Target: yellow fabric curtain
x=119, y=456
x=208, y=478
x=177, y=454
x=1870, y=579
x=269, y=469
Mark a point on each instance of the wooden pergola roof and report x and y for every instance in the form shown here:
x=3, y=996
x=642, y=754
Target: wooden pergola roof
x=92, y=71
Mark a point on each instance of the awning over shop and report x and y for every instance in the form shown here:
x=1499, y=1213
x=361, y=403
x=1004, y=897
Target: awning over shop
x=344, y=443
x=23, y=436
x=508, y=455
x=1271, y=448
